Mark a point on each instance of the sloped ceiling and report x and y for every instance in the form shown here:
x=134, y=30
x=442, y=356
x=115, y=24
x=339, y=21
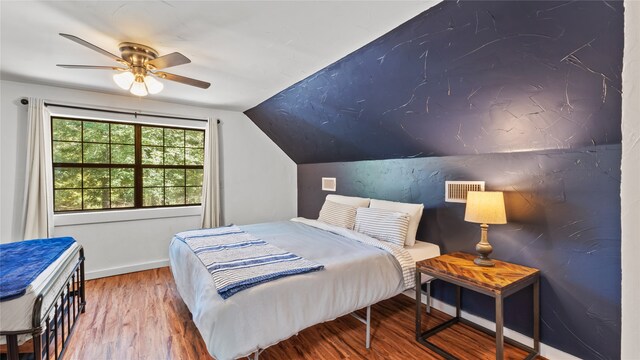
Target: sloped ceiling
x=248, y=50
x=465, y=77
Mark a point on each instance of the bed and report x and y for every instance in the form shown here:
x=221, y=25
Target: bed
x=40, y=321
x=356, y=275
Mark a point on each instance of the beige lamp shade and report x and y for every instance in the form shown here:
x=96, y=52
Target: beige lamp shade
x=485, y=207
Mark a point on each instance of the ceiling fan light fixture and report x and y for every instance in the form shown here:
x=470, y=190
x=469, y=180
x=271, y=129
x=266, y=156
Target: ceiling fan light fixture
x=142, y=62
x=124, y=79
x=153, y=86
x=139, y=89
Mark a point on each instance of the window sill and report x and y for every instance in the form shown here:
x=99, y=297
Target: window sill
x=83, y=218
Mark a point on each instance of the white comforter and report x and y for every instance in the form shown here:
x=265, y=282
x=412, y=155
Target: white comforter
x=356, y=275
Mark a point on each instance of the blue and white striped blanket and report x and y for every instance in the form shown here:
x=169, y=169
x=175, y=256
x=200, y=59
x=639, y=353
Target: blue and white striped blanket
x=238, y=260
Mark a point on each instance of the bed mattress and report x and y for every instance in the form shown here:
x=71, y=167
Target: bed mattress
x=356, y=275
x=421, y=251
x=15, y=314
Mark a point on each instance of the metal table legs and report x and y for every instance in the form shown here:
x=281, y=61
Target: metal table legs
x=499, y=327
x=422, y=337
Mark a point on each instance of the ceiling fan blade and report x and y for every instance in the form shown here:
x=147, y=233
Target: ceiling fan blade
x=169, y=60
x=182, y=79
x=91, y=67
x=93, y=47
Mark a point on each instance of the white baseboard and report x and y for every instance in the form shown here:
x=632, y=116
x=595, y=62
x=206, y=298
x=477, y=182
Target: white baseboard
x=545, y=350
x=125, y=269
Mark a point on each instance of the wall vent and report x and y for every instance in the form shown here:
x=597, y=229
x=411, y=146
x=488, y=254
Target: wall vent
x=456, y=191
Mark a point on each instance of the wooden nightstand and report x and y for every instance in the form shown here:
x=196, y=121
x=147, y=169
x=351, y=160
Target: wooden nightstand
x=498, y=282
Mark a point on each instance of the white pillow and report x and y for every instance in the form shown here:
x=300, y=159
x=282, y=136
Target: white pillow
x=337, y=214
x=414, y=211
x=385, y=225
x=349, y=200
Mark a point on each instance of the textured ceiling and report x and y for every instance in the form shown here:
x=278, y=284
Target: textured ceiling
x=467, y=77
x=248, y=50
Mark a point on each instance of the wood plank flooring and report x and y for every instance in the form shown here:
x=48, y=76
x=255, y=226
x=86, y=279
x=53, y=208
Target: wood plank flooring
x=141, y=316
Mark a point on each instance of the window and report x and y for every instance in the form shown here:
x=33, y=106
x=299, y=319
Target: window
x=100, y=165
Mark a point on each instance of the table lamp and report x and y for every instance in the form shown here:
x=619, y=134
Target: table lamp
x=485, y=207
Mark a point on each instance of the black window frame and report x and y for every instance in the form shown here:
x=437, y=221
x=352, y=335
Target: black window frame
x=137, y=166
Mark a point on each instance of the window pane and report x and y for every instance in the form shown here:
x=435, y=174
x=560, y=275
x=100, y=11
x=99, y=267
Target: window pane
x=96, y=178
x=152, y=177
x=174, y=177
x=122, y=198
x=194, y=177
x=123, y=154
x=174, y=195
x=96, y=153
x=152, y=136
x=122, y=134
x=153, y=196
x=67, y=200
x=67, y=177
x=67, y=130
x=194, y=156
x=174, y=156
x=194, y=138
x=194, y=195
x=122, y=178
x=67, y=152
x=96, y=199
x=174, y=137
x=95, y=132
x=152, y=155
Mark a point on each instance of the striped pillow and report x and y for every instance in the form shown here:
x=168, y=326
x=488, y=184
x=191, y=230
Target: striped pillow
x=382, y=224
x=337, y=214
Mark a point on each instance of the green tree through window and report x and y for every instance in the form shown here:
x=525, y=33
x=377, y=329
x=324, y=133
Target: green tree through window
x=99, y=165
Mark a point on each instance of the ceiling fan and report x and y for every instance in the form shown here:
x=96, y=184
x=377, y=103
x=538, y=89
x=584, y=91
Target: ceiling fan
x=139, y=67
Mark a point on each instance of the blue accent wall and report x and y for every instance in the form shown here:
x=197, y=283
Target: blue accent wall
x=462, y=78
x=525, y=95
x=563, y=212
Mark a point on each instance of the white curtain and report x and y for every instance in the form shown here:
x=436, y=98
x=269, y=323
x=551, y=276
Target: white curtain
x=38, y=205
x=211, y=180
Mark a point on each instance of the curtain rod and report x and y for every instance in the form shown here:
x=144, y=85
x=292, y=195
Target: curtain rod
x=134, y=113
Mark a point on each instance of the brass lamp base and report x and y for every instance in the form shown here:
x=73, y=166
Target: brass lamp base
x=483, y=248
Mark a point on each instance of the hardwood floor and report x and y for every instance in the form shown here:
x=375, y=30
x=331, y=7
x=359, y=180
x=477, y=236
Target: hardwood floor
x=141, y=316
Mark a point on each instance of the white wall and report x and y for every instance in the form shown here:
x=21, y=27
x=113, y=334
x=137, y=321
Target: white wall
x=258, y=180
x=630, y=180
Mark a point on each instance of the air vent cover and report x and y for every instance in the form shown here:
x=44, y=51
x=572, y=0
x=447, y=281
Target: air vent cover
x=456, y=191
